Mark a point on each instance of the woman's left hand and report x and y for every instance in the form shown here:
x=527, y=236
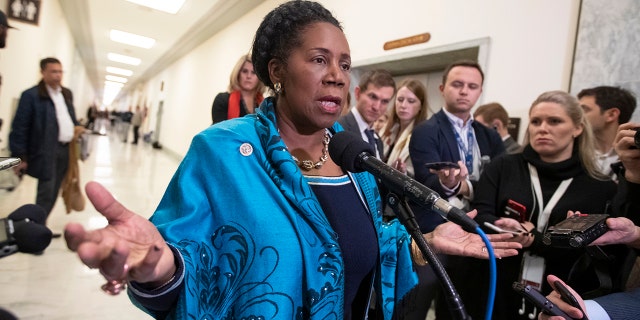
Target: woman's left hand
x=450, y=238
x=526, y=238
x=400, y=166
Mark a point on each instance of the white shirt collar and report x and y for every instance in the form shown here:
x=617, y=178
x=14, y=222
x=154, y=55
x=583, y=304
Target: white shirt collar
x=53, y=91
x=457, y=122
x=363, y=125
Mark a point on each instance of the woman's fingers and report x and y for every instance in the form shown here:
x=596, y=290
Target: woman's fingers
x=74, y=234
x=106, y=204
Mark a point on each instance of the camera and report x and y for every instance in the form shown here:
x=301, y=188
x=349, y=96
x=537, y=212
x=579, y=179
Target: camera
x=576, y=231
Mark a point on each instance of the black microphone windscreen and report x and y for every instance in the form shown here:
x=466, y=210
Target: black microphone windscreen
x=31, y=237
x=344, y=149
x=32, y=212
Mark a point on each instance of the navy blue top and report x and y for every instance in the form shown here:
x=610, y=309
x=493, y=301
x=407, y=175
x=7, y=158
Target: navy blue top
x=357, y=238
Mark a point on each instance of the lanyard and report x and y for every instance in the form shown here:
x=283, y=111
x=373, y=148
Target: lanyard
x=545, y=211
x=468, y=150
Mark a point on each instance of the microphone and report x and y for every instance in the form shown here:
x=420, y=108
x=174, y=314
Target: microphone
x=24, y=231
x=353, y=154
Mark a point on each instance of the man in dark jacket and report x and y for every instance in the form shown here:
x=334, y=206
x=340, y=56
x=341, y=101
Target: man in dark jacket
x=41, y=131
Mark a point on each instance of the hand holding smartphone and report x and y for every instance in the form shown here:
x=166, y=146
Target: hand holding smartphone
x=569, y=298
x=535, y=297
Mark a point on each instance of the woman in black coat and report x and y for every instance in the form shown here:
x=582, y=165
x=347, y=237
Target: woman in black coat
x=532, y=190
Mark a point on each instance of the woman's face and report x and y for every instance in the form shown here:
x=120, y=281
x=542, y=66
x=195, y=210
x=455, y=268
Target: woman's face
x=247, y=78
x=316, y=78
x=552, y=131
x=407, y=105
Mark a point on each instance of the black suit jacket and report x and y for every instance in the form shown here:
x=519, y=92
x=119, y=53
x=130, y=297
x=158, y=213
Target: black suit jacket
x=349, y=123
x=434, y=140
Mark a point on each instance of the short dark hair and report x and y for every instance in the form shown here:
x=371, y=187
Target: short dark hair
x=377, y=77
x=608, y=97
x=280, y=30
x=44, y=62
x=462, y=63
x=492, y=111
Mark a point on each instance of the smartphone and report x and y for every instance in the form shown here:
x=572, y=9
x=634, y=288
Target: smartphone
x=442, y=165
x=568, y=297
x=515, y=210
x=534, y=296
x=8, y=162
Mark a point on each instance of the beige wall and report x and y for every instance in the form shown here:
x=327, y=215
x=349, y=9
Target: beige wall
x=20, y=59
x=530, y=51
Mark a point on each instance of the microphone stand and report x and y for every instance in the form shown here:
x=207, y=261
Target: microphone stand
x=405, y=215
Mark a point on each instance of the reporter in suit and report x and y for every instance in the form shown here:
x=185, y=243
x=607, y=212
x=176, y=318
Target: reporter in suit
x=373, y=95
x=452, y=135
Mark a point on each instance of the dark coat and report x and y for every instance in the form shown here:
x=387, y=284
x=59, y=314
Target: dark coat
x=349, y=123
x=434, y=141
x=34, y=132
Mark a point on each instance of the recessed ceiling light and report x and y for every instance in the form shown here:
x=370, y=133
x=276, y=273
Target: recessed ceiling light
x=132, y=39
x=123, y=59
x=120, y=71
x=169, y=6
x=116, y=79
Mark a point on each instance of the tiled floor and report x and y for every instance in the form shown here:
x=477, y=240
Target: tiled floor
x=56, y=285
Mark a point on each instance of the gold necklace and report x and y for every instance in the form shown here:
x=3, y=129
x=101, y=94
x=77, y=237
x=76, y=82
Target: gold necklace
x=307, y=165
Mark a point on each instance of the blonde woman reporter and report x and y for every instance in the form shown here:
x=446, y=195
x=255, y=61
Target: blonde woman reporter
x=410, y=108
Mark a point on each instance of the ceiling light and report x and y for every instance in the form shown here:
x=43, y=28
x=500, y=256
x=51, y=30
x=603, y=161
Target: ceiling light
x=116, y=79
x=120, y=71
x=132, y=39
x=123, y=59
x=169, y=6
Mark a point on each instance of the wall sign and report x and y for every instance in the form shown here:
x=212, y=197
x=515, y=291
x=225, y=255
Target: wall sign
x=420, y=38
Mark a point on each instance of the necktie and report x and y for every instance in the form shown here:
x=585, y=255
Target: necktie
x=372, y=140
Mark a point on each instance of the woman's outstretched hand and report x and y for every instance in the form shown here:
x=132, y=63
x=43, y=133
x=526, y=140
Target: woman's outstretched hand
x=450, y=238
x=129, y=248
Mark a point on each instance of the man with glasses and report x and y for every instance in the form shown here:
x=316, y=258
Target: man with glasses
x=373, y=94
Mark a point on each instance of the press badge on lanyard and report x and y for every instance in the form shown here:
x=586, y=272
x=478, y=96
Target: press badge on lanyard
x=532, y=268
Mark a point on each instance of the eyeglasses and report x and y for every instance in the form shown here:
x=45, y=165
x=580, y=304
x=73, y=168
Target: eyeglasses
x=375, y=98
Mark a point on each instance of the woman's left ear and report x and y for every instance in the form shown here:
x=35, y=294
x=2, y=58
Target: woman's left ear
x=275, y=70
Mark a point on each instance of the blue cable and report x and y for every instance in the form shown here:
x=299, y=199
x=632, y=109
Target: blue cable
x=492, y=273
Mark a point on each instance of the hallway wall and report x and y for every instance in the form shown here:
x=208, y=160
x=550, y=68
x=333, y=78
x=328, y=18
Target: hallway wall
x=527, y=54
x=20, y=61
x=530, y=51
